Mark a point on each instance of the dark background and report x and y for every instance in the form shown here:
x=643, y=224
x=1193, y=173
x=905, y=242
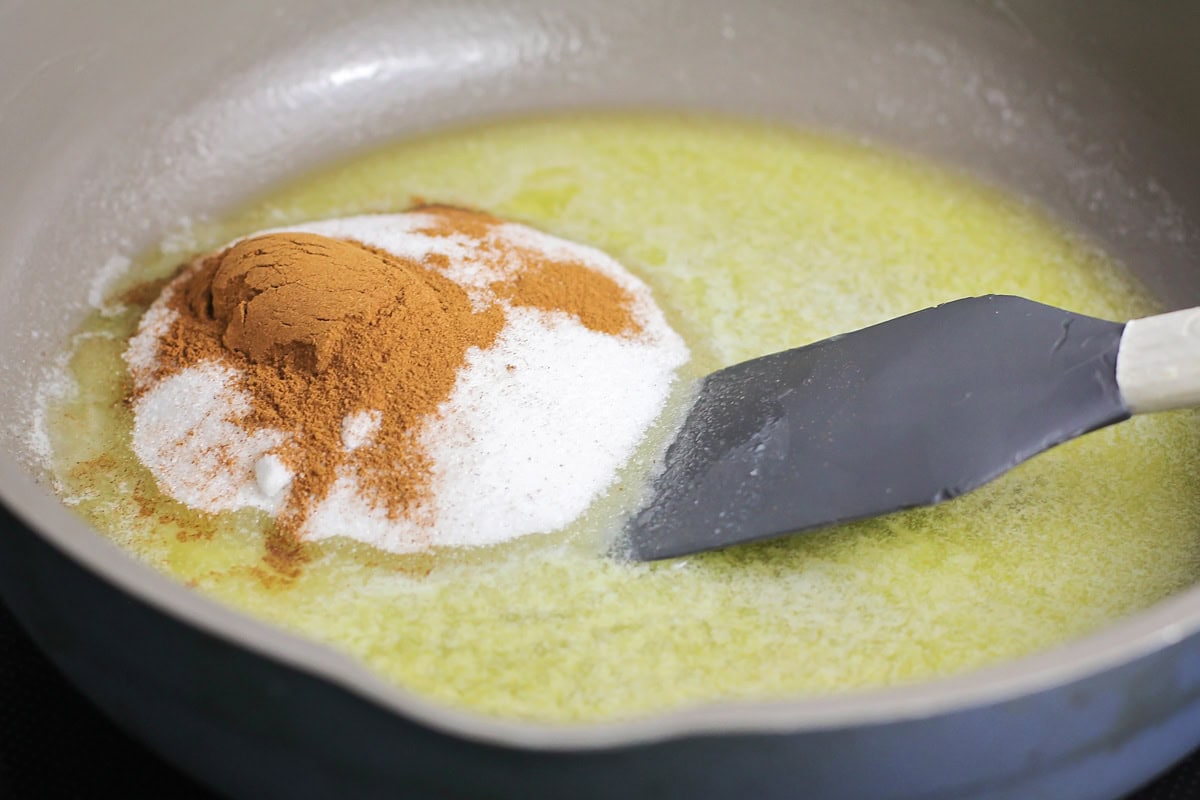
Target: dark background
x=54, y=744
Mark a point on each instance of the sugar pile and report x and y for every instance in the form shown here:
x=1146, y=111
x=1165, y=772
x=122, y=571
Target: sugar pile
x=534, y=429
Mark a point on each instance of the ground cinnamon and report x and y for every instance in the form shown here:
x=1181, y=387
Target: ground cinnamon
x=321, y=329
x=590, y=296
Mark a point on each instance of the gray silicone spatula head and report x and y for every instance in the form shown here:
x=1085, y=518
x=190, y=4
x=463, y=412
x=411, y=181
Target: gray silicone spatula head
x=906, y=413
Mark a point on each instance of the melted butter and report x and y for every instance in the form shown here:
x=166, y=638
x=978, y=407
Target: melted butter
x=754, y=239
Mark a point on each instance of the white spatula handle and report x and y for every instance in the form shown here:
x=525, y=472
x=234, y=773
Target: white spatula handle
x=1158, y=362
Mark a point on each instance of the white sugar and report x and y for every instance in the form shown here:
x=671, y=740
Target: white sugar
x=271, y=476
x=535, y=429
x=103, y=282
x=360, y=428
x=185, y=431
x=527, y=450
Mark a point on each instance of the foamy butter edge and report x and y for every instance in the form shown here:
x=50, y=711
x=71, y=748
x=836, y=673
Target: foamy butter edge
x=535, y=430
x=56, y=384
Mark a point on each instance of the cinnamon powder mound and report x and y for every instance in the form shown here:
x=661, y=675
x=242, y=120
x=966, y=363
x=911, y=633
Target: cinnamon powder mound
x=322, y=332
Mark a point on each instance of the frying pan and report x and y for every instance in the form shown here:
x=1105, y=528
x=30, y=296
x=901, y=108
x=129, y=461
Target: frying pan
x=118, y=120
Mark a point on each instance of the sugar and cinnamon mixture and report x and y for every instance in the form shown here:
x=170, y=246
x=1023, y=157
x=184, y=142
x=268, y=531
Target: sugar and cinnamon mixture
x=434, y=378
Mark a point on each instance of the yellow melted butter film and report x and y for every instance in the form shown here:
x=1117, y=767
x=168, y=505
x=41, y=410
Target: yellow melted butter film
x=754, y=239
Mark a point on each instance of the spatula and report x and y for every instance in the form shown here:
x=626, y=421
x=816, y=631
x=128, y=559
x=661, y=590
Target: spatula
x=909, y=412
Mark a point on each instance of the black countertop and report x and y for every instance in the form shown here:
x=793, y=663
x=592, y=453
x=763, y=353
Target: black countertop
x=54, y=744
